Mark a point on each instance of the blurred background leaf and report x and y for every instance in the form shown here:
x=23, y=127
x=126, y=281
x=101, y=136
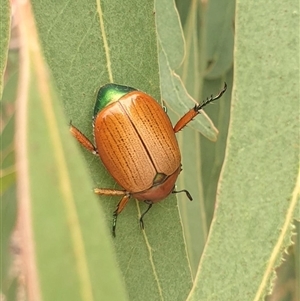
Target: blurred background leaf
x=4, y=38
x=8, y=78
x=249, y=208
x=203, y=159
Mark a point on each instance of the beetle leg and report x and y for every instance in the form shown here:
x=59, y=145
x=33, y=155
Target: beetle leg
x=120, y=206
x=118, y=210
x=142, y=216
x=104, y=191
x=192, y=113
x=186, y=192
x=83, y=140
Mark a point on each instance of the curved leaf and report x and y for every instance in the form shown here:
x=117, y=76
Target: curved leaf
x=87, y=45
x=258, y=193
x=201, y=159
x=170, y=57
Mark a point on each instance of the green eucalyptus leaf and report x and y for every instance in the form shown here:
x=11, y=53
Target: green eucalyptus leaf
x=258, y=191
x=87, y=45
x=170, y=57
x=218, y=23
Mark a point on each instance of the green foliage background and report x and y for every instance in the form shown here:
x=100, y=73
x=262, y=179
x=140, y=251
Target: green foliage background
x=226, y=244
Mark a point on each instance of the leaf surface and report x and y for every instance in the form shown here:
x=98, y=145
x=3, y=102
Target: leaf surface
x=258, y=193
x=87, y=45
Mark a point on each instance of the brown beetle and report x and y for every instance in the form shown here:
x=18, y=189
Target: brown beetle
x=136, y=142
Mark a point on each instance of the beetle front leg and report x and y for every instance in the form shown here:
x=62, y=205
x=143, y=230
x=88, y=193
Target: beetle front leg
x=83, y=140
x=186, y=118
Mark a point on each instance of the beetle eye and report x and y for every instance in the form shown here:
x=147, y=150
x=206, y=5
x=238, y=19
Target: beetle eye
x=159, y=178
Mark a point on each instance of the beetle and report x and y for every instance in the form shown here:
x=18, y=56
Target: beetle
x=135, y=140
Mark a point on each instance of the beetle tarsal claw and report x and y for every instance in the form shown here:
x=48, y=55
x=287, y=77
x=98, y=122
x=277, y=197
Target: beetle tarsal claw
x=142, y=216
x=186, y=192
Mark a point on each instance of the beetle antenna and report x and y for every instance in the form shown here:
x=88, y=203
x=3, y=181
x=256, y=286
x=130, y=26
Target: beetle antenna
x=208, y=100
x=186, y=192
x=142, y=216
